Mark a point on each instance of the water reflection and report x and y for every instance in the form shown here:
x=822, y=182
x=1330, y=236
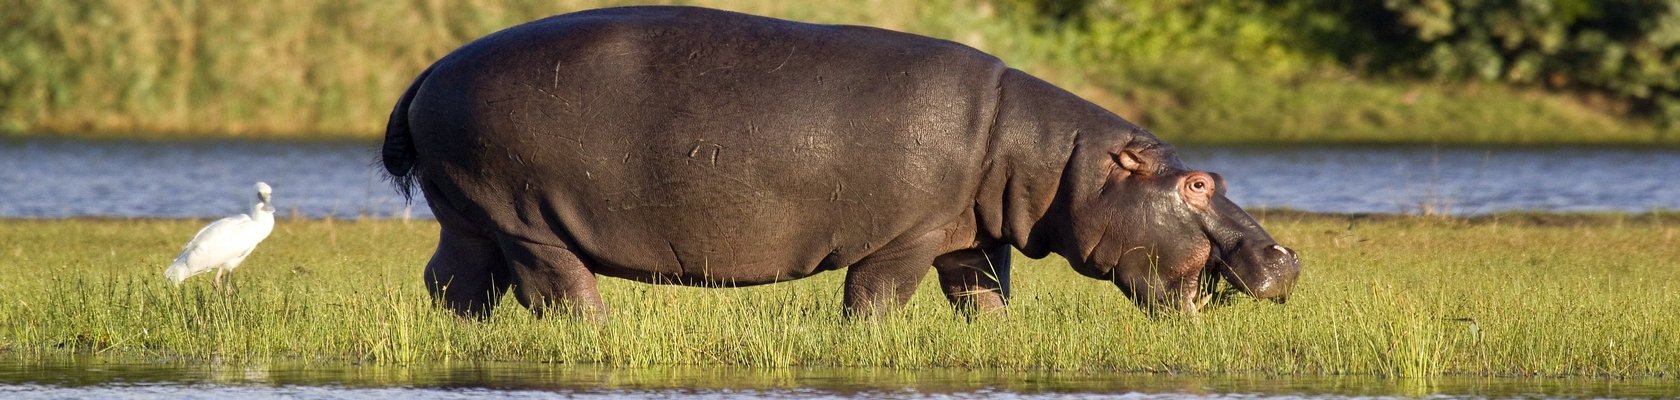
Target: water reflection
x=1446, y=180
x=90, y=377
x=50, y=178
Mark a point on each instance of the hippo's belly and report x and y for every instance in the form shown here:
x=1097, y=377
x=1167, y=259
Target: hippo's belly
x=707, y=159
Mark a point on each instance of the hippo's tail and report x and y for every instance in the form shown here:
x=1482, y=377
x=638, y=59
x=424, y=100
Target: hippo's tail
x=398, y=153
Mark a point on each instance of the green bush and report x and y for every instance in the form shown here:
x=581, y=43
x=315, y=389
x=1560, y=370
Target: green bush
x=1627, y=48
x=1254, y=35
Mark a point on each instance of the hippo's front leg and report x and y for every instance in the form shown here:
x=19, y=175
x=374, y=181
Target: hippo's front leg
x=975, y=280
x=553, y=276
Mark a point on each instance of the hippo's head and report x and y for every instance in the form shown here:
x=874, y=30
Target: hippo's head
x=1165, y=234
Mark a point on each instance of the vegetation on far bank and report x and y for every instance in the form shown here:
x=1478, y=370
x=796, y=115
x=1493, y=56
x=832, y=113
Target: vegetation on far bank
x=1194, y=72
x=1389, y=296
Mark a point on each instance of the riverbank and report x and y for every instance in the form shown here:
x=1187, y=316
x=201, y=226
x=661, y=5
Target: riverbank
x=166, y=69
x=1511, y=295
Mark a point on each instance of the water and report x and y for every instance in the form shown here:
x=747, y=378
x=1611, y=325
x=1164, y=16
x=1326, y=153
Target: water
x=64, y=178
x=1462, y=180
x=87, y=378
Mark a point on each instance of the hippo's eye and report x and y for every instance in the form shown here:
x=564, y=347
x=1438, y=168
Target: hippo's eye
x=1198, y=185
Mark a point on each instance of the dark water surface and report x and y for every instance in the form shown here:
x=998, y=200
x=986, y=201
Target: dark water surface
x=95, y=379
x=51, y=178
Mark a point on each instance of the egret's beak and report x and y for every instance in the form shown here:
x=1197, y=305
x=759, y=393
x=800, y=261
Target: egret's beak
x=263, y=192
x=175, y=275
x=265, y=202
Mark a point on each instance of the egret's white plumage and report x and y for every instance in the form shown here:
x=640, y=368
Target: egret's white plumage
x=225, y=243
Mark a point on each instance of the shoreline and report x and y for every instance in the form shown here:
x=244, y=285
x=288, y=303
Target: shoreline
x=1312, y=141
x=1520, y=218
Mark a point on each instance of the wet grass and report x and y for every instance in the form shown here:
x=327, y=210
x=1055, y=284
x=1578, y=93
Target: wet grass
x=1513, y=295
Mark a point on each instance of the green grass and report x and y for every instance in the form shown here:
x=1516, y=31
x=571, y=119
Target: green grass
x=1549, y=296
x=164, y=69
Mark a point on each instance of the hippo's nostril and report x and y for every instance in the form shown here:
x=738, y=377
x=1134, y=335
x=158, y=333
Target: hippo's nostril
x=1280, y=299
x=1291, y=254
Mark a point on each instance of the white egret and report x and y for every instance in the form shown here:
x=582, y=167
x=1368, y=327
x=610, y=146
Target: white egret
x=225, y=243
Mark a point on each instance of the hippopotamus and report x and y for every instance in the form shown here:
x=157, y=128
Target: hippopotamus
x=690, y=146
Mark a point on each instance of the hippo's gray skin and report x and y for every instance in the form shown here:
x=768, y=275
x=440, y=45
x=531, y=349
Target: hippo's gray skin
x=711, y=148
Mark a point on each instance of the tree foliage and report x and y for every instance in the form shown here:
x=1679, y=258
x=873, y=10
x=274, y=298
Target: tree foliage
x=1627, y=49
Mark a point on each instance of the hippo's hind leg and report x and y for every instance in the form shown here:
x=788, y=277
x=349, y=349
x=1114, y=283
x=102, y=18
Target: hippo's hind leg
x=553, y=276
x=975, y=280
x=885, y=281
x=467, y=274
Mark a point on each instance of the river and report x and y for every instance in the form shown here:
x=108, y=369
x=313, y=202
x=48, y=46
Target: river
x=53, y=178
x=92, y=378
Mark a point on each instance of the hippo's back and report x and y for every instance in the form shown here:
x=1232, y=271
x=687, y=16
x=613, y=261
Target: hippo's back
x=700, y=144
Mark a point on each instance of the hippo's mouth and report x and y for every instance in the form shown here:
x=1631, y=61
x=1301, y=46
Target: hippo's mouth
x=1207, y=288
x=1198, y=291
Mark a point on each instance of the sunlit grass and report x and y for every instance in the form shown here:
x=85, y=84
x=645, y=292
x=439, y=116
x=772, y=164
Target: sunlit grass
x=1393, y=297
x=311, y=69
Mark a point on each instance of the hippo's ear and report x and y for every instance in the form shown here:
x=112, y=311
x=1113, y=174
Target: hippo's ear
x=1134, y=161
